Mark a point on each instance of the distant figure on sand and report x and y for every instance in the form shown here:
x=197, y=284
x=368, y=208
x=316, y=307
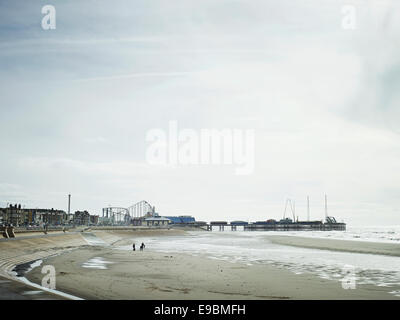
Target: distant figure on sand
x=134, y=248
x=142, y=246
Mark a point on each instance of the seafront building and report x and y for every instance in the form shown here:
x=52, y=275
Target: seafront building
x=81, y=218
x=157, y=221
x=181, y=219
x=17, y=216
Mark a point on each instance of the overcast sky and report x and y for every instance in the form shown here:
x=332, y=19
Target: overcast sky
x=76, y=104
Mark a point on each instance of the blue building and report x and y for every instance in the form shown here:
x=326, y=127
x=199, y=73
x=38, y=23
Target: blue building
x=181, y=219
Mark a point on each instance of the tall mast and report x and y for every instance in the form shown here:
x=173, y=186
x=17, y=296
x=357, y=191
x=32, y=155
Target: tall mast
x=284, y=213
x=294, y=211
x=308, y=208
x=326, y=206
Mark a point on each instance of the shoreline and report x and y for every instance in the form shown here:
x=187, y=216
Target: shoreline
x=164, y=276
x=152, y=275
x=353, y=246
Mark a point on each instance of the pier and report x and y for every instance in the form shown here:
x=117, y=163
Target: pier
x=143, y=214
x=223, y=224
x=278, y=226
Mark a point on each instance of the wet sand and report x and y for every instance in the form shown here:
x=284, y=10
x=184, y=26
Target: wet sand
x=153, y=275
x=367, y=247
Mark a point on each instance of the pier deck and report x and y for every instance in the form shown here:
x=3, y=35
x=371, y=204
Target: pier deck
x=296, y=226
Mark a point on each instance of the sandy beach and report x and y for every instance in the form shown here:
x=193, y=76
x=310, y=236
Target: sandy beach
x=102, y=272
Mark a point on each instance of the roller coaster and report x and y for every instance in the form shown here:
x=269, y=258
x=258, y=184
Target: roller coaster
x=124, y=216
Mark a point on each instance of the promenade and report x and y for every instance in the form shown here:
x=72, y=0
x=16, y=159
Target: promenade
x=24, y=249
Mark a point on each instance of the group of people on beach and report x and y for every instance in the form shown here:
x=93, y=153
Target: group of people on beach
x=142, y=246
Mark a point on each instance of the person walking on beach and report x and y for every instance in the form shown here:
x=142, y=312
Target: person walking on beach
x=134, y=248
x=142, y=246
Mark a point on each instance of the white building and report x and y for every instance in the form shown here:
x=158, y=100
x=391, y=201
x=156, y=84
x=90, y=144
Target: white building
x=157, y=221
